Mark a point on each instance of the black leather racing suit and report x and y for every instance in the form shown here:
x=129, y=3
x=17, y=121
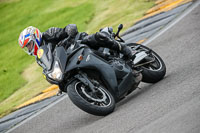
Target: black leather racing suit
x=65, y=37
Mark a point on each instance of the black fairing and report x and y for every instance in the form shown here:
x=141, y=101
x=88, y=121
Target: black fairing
x=109, y=71
x=46, y=58
x=91, y=61
x=115, y=74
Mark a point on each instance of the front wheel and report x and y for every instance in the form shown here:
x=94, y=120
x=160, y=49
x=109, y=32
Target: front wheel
x=100, y=103
x=154, y=71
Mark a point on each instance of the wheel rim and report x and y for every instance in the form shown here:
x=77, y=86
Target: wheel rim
x=100, y=98
x=154, y=66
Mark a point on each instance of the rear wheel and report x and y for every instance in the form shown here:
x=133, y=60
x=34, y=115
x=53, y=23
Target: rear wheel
x=100, y=103
x=154, y=71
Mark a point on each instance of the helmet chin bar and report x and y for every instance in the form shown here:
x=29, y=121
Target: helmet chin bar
x=31, y=52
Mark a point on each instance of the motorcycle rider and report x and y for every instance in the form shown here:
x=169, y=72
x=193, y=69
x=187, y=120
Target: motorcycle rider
x=31, y=39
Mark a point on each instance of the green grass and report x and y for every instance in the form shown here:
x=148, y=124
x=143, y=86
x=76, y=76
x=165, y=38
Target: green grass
x=18, y=15
x=15, y=15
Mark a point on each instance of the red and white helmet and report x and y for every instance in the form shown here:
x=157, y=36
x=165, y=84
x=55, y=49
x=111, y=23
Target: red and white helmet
x=30, y=40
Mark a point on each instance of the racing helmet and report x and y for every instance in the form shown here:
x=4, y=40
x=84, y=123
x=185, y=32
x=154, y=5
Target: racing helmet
x=30, y=40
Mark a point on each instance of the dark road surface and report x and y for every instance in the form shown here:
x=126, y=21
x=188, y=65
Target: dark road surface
x=169, y=106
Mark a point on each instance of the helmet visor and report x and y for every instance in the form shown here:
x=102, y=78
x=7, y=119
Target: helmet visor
x=29, y=48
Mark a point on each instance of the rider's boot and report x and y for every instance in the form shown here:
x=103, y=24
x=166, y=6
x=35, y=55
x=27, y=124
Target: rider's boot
x=115, y=45
x=128, y=52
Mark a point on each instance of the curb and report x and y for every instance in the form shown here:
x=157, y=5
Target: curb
x=52, y=87
x=167, y=5
x=49, y=92
x=163, y=6
x=147, y=26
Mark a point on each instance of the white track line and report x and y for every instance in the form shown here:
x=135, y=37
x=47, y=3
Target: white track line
x=168, y=26
x=39, y=112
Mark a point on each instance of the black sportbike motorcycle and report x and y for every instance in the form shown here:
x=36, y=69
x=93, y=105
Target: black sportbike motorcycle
x=95, y=81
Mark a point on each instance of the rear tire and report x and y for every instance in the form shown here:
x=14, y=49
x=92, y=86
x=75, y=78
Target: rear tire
x=102, y=104
x=152, y=72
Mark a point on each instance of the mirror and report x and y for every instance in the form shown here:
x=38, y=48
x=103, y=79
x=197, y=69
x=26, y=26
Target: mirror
x=120, y=26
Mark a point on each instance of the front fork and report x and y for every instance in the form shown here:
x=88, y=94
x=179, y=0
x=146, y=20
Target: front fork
x=84, y=79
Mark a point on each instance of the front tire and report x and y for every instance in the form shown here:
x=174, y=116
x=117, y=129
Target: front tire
x=101, y=103
x=152, y=72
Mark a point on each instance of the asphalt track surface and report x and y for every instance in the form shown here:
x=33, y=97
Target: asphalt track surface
x=169, y=106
